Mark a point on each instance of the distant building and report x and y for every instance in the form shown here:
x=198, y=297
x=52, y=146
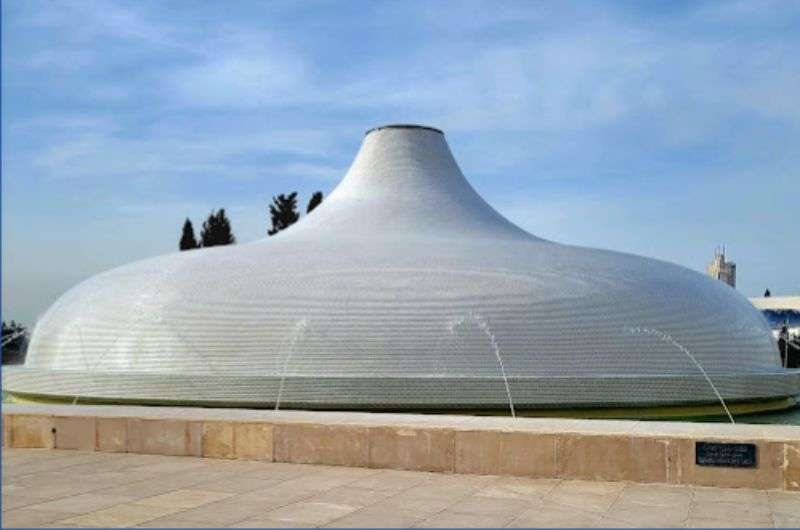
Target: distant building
x=721, y=269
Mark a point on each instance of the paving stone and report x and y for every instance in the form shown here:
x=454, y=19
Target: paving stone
x=171, y=521
x=489, y=506
x=79, y=489
x=786, y=521
x=548, y=516
x=584, y=501
x=735, y=511
x=651, y=516
x=696, y=522
x=390, y=479
x=262, y=522
x=17, y=500
x=314, y=513
x=238, y=485
x=58, y=490
x=317, y=482
x=785, y=502
x=449, y=519
x=277, y=496
x=184, y=498
x=28, y=517
x=84, y=503
x=278, y=470
x=223, y=513
x=729, y=495
x=352, y=496
x=348, y=473
x=656, y=495
x=375, y=517
x=121, y=515
x=420, y=506
x=590, y=487
x=518, y=488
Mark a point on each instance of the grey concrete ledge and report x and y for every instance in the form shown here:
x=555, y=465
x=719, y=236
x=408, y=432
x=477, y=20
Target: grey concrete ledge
x=719, y=431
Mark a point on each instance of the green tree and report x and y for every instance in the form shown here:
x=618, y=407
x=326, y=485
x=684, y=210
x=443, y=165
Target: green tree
x=216, y=230
x=283, y=212
x=315, y=201
x=14, y=342
x=188, y=241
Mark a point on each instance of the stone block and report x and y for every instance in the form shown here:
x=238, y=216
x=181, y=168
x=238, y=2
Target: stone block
x=769, y=473
x=342, y=445
x=194, y=438
x=6, y=430
x=613, y=458
x=75, y=432
x=253, y=441
x=158, y=437
x=791, y=469
x=111, y=434
x=505, y=453
x=412, y=449
x=32, y=432
x=218, y=440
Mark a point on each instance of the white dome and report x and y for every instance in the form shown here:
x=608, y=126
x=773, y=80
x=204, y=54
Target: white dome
x=403, y=289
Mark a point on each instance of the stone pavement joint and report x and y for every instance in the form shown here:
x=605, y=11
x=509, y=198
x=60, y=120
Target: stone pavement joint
x=55, y=488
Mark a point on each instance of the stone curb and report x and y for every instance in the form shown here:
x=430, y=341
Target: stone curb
x=647, y=452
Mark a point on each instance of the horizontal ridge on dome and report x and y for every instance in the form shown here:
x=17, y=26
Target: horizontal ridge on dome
x=404, y=126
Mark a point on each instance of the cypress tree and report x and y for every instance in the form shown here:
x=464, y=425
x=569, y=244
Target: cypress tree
x=216, y=230
x=14, y=343
x=283, y=212
x=315, y=201
x=188, y=240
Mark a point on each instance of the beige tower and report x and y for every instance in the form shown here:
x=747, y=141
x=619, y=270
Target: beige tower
x=722, y=270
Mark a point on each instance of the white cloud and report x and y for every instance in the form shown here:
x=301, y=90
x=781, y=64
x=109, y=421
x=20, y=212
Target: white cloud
x=240, y=80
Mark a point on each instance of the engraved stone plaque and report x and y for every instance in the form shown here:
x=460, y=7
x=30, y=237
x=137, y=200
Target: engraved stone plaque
x=725, y=454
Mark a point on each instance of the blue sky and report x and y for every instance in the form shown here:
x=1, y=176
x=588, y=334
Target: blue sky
x=658, y=128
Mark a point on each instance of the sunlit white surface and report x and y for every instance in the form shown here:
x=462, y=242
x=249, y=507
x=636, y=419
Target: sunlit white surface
x=355, y=305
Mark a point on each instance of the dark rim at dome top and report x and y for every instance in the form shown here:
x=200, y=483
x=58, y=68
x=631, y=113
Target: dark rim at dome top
x=404, y=126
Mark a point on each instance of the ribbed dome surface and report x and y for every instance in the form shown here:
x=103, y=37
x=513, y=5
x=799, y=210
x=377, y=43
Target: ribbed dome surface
x=404, y=289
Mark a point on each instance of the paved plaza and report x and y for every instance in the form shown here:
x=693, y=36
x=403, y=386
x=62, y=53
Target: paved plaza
x=50, y=488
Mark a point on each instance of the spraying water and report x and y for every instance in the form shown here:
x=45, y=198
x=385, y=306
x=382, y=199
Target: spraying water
x=483, y=325
x=666, y=337
x=85, y=361
x=299, y=330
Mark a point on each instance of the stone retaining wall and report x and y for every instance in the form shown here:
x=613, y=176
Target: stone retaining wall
x=660, y=452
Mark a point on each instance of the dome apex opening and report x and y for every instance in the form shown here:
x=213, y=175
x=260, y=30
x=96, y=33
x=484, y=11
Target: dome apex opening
x=404, y=126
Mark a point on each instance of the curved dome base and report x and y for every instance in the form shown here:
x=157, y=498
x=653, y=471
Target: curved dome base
x=601, y=396
x=640, y=413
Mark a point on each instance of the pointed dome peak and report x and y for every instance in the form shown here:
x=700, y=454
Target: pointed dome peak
x=404, y=126
x=405, y=181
